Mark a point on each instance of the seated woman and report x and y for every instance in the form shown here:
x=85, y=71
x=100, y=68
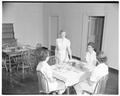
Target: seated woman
x=100, y=70
x=90, y=57
x=47, y=70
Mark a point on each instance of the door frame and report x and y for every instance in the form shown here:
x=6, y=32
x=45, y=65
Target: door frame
x=85, y=32
x=49, y=29
x=101, y=35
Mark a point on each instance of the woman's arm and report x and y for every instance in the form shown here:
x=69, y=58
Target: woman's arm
x=94, y=61
x=69, y=50
x=87, y=57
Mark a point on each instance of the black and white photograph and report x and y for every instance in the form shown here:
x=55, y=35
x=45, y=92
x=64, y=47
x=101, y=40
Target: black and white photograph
x=60, y=48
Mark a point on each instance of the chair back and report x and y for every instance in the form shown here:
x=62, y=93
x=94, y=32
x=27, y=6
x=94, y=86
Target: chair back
x=101, y=85
x=32, y=58
x=52, y=60
x=52, y=50
x=17, y=58
x=25, y=57
x=42, y=83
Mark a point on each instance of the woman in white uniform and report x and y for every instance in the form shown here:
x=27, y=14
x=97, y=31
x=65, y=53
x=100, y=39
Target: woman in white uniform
x=90, y=57
x=63, y=50
x=46, y=69
x=99, y=71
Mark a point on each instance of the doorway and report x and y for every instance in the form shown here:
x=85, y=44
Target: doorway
x=54, y=31
x=95, y=31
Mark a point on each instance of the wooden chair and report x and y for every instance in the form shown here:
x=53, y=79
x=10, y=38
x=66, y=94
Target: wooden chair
x=44, y=86
x=31, y=58
x=52, y=51
x=16, y=59
x=4, y=65
x=99, y=88
x=25, y=64
x=4, y=61
x=42, y=83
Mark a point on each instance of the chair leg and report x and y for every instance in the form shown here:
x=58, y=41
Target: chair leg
x=4, y=63
x=17, y=67
x=68, y=90
x=30, y=67
x=23, y=70
x=6, y=67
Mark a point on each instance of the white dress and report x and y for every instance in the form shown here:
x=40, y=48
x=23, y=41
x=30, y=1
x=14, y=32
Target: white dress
x=100, y=71
x=47, y=71
x=90, y=58
x=61, y=52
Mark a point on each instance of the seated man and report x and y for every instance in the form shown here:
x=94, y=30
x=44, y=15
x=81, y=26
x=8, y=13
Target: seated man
x=47, y=70
x=100, y=70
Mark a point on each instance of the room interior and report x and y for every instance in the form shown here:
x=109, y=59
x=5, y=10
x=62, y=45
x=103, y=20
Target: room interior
x=41, y=22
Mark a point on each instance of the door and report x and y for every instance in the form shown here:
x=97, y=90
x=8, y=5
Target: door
x=54, y=29
x=95, y=31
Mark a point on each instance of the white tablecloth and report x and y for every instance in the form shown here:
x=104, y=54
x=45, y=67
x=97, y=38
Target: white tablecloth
x=67, y=73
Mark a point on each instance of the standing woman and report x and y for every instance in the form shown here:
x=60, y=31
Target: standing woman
x=63, y=50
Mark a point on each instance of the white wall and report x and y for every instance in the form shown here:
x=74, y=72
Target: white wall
x=31, y=24
x=27, y=19
x=74, y=20
x=109, y=46
x=52, y=9
x=111, y=35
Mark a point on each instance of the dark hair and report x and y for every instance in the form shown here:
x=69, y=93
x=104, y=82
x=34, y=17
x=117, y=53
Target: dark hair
x=43, y=54
x=61, y=31
x=91, y=44
x=101, y=57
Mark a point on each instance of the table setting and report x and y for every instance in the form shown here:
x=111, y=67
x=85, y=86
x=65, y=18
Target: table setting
x=67, y=73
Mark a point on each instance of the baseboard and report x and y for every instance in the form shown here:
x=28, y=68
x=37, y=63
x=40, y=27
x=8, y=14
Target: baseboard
x=75, y=57
x=44, y=48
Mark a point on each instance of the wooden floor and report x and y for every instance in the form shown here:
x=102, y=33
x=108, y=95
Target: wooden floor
x=29, y=85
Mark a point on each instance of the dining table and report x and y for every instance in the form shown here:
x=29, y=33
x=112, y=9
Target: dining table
x=15, y=51
x=11, y=53
x=70, y=73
